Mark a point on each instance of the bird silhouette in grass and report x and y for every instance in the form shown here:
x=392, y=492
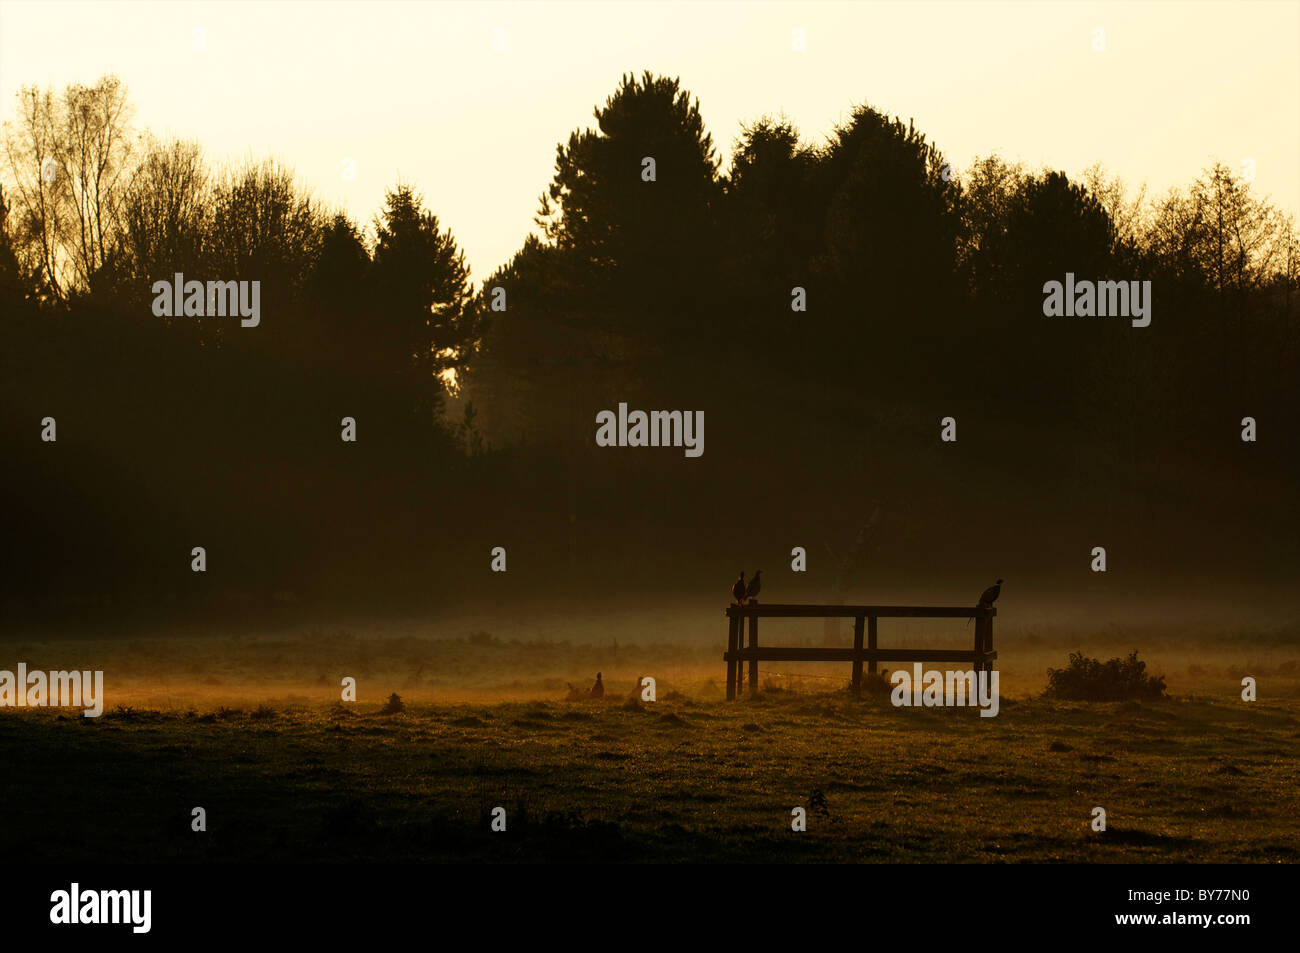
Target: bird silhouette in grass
x=598, y=690
x=817, y=803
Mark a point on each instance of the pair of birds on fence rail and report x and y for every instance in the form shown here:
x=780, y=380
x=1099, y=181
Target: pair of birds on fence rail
x=743, y=593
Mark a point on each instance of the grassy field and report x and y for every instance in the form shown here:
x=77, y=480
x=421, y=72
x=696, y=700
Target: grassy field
x=286, y=775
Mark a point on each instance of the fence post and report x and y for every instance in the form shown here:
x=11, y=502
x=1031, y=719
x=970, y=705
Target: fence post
x=988, y=642
x=871, y=643
x=753, y=662
x=979, y=640
x=732, y=625
x=857, y=656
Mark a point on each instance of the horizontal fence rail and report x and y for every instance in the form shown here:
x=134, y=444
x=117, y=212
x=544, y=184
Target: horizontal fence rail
x=777, y=610
x=980, y=656
x=805, y=654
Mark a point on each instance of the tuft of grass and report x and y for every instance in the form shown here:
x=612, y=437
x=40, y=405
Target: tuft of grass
x=393, y=705
x=876, y=685
x=345, y=820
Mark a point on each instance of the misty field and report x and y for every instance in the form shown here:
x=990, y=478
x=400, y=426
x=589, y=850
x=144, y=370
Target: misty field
x=287, y=774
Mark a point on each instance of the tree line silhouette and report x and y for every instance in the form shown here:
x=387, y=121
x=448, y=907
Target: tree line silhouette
x=923, y=287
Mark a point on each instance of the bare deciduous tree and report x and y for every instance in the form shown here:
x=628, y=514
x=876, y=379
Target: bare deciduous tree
x=165, y=212
x=68, y=156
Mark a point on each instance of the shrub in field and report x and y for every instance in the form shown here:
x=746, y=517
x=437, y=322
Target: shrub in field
x=393, y=705
x=1087, y=679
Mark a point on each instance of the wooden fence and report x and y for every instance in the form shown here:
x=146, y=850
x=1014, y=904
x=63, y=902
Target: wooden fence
x=979, y=658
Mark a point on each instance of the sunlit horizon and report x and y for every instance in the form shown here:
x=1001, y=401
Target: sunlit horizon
x=416, y=92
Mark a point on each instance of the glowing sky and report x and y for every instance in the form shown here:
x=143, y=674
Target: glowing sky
x=417, y=91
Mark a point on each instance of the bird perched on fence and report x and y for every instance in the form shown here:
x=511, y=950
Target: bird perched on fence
x=990, y=595
x=598, y=690
x=738, y=589
x=754, y=585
